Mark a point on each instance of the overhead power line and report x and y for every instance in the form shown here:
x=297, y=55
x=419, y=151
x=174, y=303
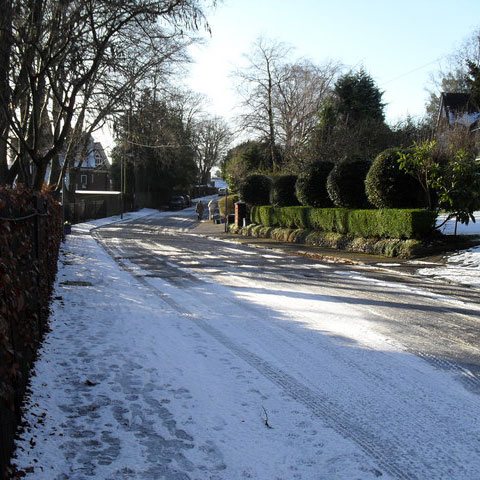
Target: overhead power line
x=398, y=77
x=158, y=146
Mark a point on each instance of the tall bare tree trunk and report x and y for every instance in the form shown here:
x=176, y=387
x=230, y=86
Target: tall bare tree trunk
x=271, y=120
x=5, y=49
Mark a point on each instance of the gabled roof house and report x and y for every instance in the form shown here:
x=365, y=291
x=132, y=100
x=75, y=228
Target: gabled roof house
x=92, y=169
x=456, y=108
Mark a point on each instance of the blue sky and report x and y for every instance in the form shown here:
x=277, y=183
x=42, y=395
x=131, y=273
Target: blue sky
x=400, y=43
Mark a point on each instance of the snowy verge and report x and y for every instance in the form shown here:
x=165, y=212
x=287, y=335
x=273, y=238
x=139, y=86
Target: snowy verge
x=473, y=228
x=86, y=227
x=462, y=267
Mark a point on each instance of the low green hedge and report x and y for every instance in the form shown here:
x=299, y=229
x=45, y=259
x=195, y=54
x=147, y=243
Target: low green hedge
x=384, y=223
x=388, y=247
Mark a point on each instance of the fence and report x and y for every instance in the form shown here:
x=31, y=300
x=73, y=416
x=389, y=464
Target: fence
x=92, y=205
x=202, y=190
x=30, y=235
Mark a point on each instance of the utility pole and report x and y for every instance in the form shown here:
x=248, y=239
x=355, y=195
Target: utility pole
x=226, y=210
x=121, y=186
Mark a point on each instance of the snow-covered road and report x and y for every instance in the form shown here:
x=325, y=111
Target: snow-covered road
x=176, y=367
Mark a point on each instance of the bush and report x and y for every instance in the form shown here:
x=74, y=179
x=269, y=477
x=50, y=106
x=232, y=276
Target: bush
x=328, y=219
x=338, y=241
x=388, y=186
x=282, y=193
x=231, y=199
x=291, y=217
x=255, y=189
x=311, y=187
x=386, y=223
x=391, y=223
x=30, y=235
x=346, y=184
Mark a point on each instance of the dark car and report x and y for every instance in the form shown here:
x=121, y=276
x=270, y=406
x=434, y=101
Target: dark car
x=177, y=202
x=188, y=200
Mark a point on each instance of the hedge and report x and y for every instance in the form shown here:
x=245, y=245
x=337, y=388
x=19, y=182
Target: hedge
x=388, y=247
x=387, y=186
x=282, y=193
x=30, y=235
x=386, y=223
x=231, y=204
x=255, y=189
x=311, y=187
x=346, y=184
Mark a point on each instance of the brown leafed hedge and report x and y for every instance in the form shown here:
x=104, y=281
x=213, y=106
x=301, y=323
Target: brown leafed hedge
x=30, y=236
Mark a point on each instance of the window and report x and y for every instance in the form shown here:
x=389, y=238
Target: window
x=83, y=181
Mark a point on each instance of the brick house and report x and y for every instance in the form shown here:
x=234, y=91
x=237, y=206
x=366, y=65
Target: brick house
x=93, y=171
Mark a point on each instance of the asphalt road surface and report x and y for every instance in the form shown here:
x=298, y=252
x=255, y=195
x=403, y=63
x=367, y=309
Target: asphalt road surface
x=330, y=337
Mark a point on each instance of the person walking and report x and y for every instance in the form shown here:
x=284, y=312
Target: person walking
x=212, y=206
x=200, y=208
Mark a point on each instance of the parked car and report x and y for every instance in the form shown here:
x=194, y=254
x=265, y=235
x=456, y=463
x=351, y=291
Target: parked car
x=177, y=202
x=188, y=200
x=222, y=191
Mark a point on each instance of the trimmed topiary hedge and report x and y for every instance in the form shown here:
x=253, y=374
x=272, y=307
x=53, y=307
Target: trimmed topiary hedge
x=392, y=223
x=282, y=193
x=386, y=223
x=311, y=187
x=255, y=189
x=346, y=184
x=387, y=186
x=280, y=216
x=328, y=219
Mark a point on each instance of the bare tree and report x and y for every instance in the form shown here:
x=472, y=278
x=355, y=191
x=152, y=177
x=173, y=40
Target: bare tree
x=211, y=138
x=5, y=49
x=258, y=85
x=298, y=99
x=70, y=65
x=281, y=100
x=188, y=104
x=145, y=61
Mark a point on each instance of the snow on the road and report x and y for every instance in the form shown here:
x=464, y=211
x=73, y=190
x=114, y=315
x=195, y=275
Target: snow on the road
x=90, y=225
x=126, y=387
x=462, y=267
x=140, y=378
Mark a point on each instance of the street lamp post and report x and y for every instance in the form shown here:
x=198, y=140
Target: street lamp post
x=226, y=210
x=121, y=187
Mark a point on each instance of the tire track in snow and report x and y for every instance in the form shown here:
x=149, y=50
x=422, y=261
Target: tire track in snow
x=319, y=404
x=470, y=379
x=396, y=463
x=408, y=463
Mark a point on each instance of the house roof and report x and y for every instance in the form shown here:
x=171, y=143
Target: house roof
x=458, y=102
x=100, y=155
x=93, y=157
x=457, y=108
